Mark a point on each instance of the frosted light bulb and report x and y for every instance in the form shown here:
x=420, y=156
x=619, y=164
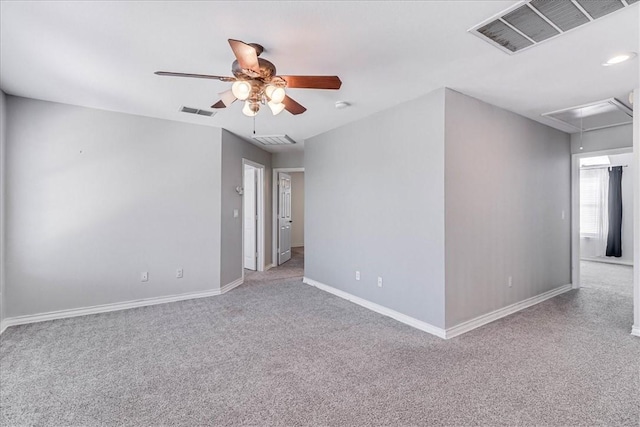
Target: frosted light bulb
x=274, y=93
x=250, y=109
x=276, y=108
x=241, y=89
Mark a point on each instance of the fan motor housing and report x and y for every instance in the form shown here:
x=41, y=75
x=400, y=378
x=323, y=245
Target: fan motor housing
x=267, y=69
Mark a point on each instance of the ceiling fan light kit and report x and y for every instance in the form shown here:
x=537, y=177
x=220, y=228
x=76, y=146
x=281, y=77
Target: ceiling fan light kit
x=255, y=82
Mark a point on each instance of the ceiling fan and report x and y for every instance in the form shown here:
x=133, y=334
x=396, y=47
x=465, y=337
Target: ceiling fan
x=255, y=82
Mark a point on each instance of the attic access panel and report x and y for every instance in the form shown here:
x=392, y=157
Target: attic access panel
x=274, y=139
x=531, y=22
x=596, y=115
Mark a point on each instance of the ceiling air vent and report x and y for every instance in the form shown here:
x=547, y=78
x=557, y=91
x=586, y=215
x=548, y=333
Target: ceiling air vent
x=597, y=9
x=274, y=139
x=533, y=21
x=596, y=115
x=197, y=111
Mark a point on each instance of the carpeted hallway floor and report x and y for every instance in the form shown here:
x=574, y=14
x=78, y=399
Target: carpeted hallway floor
x=292, y=269
x=278, y=352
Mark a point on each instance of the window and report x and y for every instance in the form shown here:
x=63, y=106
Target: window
x=588, y=206
x=593, y=201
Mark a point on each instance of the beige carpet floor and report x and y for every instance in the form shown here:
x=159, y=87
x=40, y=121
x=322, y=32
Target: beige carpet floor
x=278, y=352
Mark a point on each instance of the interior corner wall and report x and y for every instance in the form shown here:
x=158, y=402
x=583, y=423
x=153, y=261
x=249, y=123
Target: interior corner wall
x=94, y=198
x=375, y=203
x=3, y=135
x=508, y=193
x=602, y=139
x=288, y=159
x=234, y=149
x=297, y=209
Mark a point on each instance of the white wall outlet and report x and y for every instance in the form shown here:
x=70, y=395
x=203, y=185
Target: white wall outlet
x=379, y=281
x=144, y=276
x=235, y=213
x=357, y=275
x=179, y=273
x=510, y=281
x=563, y=214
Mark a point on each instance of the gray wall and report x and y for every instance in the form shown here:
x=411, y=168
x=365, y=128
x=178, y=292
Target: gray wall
x=288, y=159
x=507, y=184
x=603, y=139
x=375, y=203
x=297, y=208
x=234, y=149
x=94, y=198
x=3, y=134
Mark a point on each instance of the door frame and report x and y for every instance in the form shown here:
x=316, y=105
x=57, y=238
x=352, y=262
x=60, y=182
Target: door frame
x=635, y=330
x=575, y=219
x=274, y=205
x=260, y=246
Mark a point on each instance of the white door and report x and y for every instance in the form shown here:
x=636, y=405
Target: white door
x=249, y=217
x=284, y=218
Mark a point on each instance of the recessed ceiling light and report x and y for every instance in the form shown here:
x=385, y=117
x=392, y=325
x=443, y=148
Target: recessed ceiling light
x=619, y=58
x=342, y=104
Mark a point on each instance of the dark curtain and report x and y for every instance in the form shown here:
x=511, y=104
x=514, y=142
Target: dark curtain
x=614, y=238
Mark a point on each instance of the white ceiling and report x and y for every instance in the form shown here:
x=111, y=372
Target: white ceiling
x=103, y=55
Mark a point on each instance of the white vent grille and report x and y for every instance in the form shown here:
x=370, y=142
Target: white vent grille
x=274, y=139
x=533, y=21
x=596, y=115
x=197, y=111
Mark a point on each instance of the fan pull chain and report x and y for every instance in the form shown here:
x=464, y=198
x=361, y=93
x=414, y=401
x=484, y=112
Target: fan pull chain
x=254, y=125
x=581, y=128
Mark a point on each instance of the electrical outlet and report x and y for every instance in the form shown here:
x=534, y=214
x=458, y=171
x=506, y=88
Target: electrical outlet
x=144, y=276
x=379, y=281
x=357, y=275
x=180, y=273
x=510, y=281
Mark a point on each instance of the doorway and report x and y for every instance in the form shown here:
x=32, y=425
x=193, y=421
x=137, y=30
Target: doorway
x=252, y=216
x=288, y=214
x=602, y=221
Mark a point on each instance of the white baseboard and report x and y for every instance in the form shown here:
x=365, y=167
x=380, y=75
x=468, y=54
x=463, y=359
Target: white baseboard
x=418, y=324
x=226, y=288
x=439, y=332
x=268, y=267
x=608, y=261
x=105, y=308
x=504, y=311
x=635, y=331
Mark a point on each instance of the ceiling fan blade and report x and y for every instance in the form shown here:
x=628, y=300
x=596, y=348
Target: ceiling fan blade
x=198, y=76
x=226, y=98
x=245, y=54
x=312, y=82
x=292, y=106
